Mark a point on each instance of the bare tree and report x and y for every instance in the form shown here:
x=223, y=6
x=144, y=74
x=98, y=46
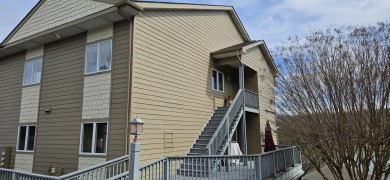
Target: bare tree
x=333, y=98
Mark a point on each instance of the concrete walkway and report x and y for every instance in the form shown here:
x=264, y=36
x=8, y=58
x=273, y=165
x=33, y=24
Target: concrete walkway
x=317, y=176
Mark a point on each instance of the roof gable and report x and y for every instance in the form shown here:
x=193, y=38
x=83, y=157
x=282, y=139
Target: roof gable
x=51, y=13
x=149, y=5
x=243, y=48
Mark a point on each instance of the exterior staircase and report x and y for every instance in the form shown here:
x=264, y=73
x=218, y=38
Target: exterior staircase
x=199, y=148
x=213, y=140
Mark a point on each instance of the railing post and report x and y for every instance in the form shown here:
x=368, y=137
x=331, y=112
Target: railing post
x=14, y=176
x=134, y=161
x=166, y=169
x=293, y=156
x=258, y=168
x=274, y=158
x=300, y=157
x=227, y=161
x=284, y=159
x=227, y=127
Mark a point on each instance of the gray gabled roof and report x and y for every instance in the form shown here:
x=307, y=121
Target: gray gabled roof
x=242, y=48
x=235, y=47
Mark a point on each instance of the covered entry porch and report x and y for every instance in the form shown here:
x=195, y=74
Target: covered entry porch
x=241, y=72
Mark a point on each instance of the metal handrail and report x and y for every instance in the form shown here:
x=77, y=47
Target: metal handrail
x=19, y=175
x=259, y=166
x=216, y=156
x=88, y=170
x=119, y=176
x=151, y=163
x=223, y=120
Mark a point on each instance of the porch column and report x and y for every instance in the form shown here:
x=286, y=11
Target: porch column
x=243, y=124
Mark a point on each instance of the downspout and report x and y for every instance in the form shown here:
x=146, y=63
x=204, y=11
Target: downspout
x=129, y=83
x=243, y=124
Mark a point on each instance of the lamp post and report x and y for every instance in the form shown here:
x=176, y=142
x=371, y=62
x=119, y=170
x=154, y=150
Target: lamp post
x=135, y=128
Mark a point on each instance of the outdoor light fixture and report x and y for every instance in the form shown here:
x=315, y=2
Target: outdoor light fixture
x=58, y=36
x=136, y=127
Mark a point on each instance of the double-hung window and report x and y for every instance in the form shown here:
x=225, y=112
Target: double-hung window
x=217, y=80
x=26, y=138
x=98, y=57
x=93, y=138
x=32, y=71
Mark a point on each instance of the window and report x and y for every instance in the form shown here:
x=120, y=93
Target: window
x=98, y=57
x=217, y=80
x=93, y=138
x=32, y=71
x=26, y=138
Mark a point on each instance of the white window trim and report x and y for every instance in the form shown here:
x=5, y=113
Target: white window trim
x=93, y=149
x=33, y=71
x=223, y=80
x=26, y=138
x=98, y=57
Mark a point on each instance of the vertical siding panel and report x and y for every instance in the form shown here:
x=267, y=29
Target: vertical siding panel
x=12, y=157
x=119, y=92
x=58, y=132
x=11, y=78
x=172, y=75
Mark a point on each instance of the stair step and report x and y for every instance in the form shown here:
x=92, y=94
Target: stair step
x=219, y=119
x=215, y=126
x=201, y=136
x=199, y=145
x=223, y=108
x=211, y=129
x=198, y=150
x=205, y=137
x=202, y=141
x=194, y=166
x=207, y=133
x=192, y=173
x=195, y=154
x=214, y=122
x=220, y=111
x=219, y=115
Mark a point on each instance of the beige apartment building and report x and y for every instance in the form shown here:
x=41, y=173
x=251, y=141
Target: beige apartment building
x=74, y=72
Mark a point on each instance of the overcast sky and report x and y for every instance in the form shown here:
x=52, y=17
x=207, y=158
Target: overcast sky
x=271, y=20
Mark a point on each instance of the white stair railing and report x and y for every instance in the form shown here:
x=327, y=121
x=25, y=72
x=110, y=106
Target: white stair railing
x=223, y=128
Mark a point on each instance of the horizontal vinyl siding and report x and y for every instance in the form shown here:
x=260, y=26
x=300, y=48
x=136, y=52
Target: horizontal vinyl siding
x=11, y=79
x=172, y=75
x=61, y=90
x=255, y=60
x=119, y=92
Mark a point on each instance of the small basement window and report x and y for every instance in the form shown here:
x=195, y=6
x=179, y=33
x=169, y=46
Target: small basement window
x=217, y=80
x=26, y=138
x=98, y=57
x=93, y=138
x=32, y=71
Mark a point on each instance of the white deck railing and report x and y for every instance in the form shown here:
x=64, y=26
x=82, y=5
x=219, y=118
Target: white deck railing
x=9, y=174
x=101, y=171
x=256, y=167
x=260, y=166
